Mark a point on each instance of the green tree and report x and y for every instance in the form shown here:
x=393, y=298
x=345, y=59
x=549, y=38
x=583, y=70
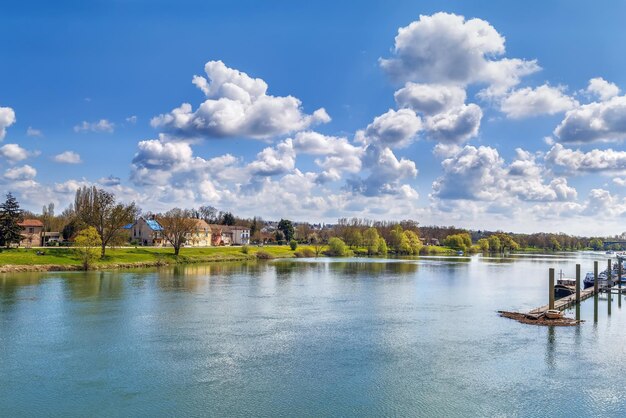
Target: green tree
x=96, y=207
x=370, y=240
x=398, y=241
x=494, y=243
x=87, y=245
x=461, y=241
x=596, y=244
x=353, y=237
x=293, y=244
x=286, y=227
x=483, y=244
x=337, y=248
x=382, y=246
x=228, y=219
x=10, y=216
x=415, y=245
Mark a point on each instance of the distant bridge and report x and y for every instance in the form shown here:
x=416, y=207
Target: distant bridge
x=615, y=241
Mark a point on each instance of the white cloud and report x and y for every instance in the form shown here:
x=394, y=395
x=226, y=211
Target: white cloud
x=395, y=128
x=7, y=118
x=542, y=100
x=131, y=119
x=430, y=99
x=22, y=173
x=480, y=174
x=447, y=49
x=274, y=161
x=67, y=157
x=592, y=161
x=602, y=89
x=237, y=105
x=455, y=126
x=30, y=131
x=597, y=121
x=13, y=152
x=110, y=181
x=102, y=125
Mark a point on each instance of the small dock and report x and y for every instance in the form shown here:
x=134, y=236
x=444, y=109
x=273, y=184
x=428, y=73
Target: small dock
x=537, y=316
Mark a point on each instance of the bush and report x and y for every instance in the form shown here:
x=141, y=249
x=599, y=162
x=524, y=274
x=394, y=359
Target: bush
x=245, y=249
x=264, y=255
x=293, y=244
x=337, y=248
x=305, y=253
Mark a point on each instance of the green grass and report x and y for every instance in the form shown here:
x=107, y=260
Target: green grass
x=68, y=257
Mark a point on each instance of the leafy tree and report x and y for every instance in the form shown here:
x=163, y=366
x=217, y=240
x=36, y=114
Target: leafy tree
x=286, y=227
x=494, y=243
x=596, y=244
x=293, y=244
x=337, y=248
x=353, y=237
x=370, y=240
x=382, y=246
x=254, y=227
x=70, y=229
x=398, y=241
x=507, y=242
x=87, y=242
x=177, y=224
x=96, y=207
x=483, y=244
x=10, y=216
x=415, y=245
x=461, y=241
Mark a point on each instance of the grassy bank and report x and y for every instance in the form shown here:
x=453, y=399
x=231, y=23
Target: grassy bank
x=59, y=258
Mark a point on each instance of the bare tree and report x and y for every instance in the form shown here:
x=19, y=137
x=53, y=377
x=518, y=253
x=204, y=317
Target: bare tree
x=96, y=207
x=177, y=224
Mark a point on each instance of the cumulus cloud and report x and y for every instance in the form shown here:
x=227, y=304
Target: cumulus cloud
x=237, y=105
x=22, y=173
x=592, y=161
x=7, y=118
x=102, y=125
x=338, y=154
x=542, y=100
x=67, y=157
x=456, y=125
x=597, y=121
x=445, y=48
x=13, y=152
x=480, y=174
x=110, y=181
x=273, y=161
x=395, y=128
x=385, y=173
x=430, y=99
x=602, y=89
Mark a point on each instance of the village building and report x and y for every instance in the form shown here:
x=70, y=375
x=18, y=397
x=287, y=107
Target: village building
x=200, y=236
x=32, y=233
x=230, y=235
x=147, y=232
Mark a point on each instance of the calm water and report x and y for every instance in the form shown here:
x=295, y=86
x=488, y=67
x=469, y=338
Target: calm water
x=306, y=338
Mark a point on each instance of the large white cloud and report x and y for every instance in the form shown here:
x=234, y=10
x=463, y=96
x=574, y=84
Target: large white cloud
x=22, y=173
x=602, y=89
x=67, y=157
x=7, y=118
x=597, y=121
x=13, y=152
x=273, y=161
x=542, y=100
x=430, y=99
x=456, y=125
x=395, y=128
x=480, y=174
x=447, y=49
x=237, y=105
x=595, y=160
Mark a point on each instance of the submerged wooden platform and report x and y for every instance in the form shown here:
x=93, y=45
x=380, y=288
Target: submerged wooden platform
x=564, y=303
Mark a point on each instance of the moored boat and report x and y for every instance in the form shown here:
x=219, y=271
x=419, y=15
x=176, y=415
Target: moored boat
x=554, y=314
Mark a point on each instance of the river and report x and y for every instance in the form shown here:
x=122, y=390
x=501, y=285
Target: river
x=310, y=337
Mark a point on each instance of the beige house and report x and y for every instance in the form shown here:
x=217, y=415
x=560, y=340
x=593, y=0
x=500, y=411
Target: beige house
x=200, y=236
x=230, y=235
x=32, y=232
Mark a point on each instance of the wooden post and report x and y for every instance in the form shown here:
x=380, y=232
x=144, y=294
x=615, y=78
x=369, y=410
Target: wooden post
x=619, y=282
x=551, y=289
x=577, y=284
x=595, y=291
x=608, y=273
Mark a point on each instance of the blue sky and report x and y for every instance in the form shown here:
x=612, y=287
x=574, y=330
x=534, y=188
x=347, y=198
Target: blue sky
x=495, y=121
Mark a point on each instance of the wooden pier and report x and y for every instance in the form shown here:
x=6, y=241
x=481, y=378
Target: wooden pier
x=537, y=316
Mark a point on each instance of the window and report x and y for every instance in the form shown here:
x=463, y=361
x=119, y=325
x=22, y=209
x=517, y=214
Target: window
x=31, y=230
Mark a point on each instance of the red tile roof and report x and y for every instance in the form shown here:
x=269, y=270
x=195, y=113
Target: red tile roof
x=31, y=222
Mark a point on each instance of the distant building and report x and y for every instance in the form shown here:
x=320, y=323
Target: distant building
x=201, y=235
x=230, y=235
x=146, y=232
x=51, y=237
x=32, y=232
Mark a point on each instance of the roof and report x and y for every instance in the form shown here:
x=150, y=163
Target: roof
x=154, y=225
x=201, y=224
x=31, y=222
x=128, y=226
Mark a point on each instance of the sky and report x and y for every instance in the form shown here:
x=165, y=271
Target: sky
x=487, y=115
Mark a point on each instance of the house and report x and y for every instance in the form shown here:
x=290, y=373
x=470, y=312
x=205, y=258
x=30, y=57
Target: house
x=230, y=235
x=200, y=236
x=32, y=232
x=51, y=238
x=146, y=232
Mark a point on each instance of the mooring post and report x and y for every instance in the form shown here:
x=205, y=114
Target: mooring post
x=595, y=291
x=619, y=282
x=608, y=273
x=577, y=284
x=551, y=289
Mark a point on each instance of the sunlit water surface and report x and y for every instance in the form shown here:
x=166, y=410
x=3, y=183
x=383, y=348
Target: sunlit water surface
x=321, y=337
